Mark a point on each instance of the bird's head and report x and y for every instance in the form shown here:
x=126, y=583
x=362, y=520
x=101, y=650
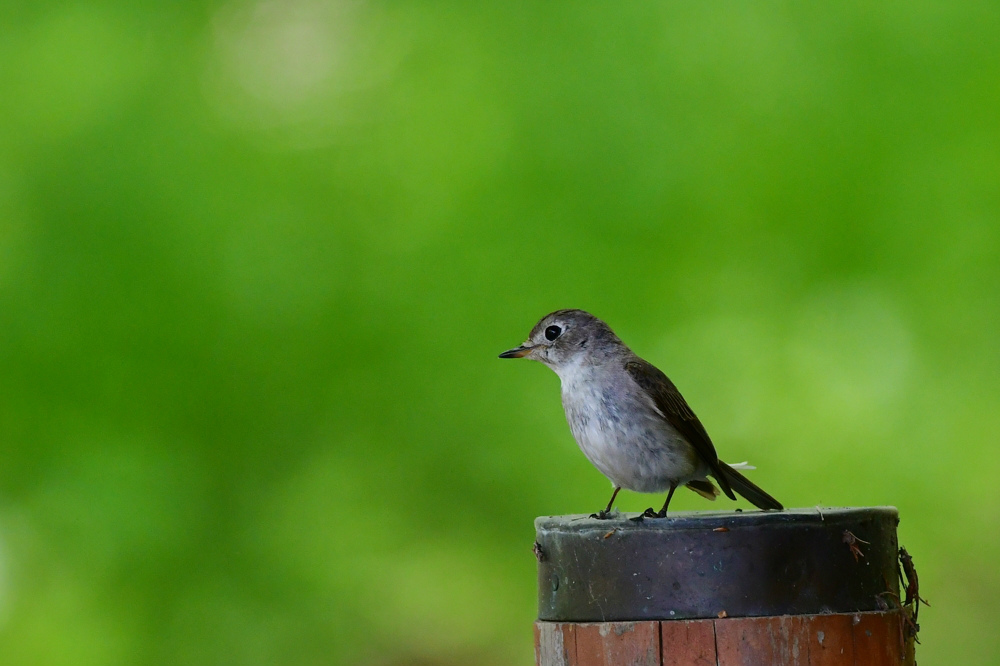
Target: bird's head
x=564, y=338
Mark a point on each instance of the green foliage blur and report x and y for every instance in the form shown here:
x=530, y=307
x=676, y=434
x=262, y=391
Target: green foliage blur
x=257, y=260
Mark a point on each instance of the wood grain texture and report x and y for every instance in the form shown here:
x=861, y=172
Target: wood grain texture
x=687, y=643
x=555, y=643
x=829, y=639
x=855, y=639
x=878, y=640
x=752, y=641
x=862, y=639
x=618, y=644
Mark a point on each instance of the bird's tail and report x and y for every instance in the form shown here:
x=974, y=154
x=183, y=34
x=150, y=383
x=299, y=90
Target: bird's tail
x=747, y=488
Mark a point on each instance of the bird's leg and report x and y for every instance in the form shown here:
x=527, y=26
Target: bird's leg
x=649, y=513
x=601, y=515
x=663, y=511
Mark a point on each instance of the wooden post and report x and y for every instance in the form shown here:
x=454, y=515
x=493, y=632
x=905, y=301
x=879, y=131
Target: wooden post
x=803, y=586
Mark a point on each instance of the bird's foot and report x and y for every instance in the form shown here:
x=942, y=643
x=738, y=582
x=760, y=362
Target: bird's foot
x=602, y=515
x=648, y=513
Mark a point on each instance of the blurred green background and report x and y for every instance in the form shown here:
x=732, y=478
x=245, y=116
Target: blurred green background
x=257, y=260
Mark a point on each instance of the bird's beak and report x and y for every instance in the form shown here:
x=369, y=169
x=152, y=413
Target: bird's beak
x=516, y=352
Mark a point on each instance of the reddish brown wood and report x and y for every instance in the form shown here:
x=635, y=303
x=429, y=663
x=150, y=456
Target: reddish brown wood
x=878, y=639
x=749, y=641
x=618, y=644
x=857, y=639
x=829, y=639
x=688, y=643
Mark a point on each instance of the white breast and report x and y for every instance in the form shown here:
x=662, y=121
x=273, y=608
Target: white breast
x=620, y=432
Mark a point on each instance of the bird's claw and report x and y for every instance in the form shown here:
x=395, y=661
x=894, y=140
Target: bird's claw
x=601, y=515
x=648, y=513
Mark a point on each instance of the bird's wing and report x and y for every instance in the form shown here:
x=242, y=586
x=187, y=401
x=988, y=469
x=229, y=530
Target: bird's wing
x=678, y=414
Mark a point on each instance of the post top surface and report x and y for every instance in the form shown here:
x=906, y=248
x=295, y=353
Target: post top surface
x=701, y=520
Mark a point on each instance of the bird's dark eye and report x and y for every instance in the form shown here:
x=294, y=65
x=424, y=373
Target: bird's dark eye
x=552, y=332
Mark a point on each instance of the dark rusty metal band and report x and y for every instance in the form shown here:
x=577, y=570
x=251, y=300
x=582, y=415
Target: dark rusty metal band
x=700, y=564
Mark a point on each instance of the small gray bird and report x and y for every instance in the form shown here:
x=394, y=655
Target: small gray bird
x=629, y=419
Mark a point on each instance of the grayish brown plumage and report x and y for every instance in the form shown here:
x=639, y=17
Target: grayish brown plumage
x=628, y=418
